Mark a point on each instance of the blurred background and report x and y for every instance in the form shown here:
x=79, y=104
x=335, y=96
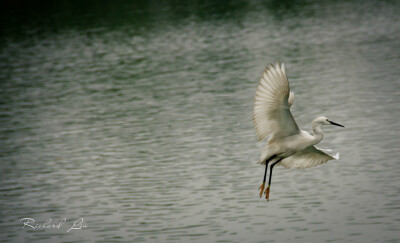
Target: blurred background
x=136, y=117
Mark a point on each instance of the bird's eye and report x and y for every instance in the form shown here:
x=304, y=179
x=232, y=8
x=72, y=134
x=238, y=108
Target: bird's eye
x=326, y=119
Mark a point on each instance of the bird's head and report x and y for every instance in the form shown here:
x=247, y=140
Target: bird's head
x=325, y=121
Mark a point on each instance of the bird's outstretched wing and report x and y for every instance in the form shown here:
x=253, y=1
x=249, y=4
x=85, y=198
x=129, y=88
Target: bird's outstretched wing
x=272, y=103
x=306, y=158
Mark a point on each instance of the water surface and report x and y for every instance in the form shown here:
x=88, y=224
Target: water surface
x=137, y=118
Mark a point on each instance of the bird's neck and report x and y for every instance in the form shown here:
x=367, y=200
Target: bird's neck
x=318, y=134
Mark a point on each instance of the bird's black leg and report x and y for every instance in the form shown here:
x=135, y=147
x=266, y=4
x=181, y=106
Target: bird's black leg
x=270, y=177
x=265, y=175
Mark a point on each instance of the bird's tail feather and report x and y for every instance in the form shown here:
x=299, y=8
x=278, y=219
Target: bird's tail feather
x=261, y=162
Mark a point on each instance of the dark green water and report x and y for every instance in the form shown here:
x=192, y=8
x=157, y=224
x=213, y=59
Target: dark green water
x=136, y=117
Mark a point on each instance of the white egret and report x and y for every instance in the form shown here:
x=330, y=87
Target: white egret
x=287, y=145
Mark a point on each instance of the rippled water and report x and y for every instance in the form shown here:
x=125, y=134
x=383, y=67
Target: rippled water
x=137, y=118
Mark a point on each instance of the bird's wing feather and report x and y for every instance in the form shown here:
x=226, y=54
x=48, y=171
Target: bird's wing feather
x=272, y=103
x=291, y=98
x=306, y=158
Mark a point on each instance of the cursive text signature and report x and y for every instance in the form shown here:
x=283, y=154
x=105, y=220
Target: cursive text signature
x=50, y=224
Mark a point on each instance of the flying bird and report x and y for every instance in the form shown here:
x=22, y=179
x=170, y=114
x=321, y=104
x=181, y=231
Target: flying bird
x=287, y=144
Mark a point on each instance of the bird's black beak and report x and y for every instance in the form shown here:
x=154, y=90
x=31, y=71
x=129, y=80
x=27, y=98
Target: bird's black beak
x=336, y=124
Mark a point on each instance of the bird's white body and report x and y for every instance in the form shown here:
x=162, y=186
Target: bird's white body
x=272, y=118
x=287, y=146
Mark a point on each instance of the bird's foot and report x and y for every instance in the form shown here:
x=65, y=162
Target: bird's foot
x=267, y=193
x=261, y=189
